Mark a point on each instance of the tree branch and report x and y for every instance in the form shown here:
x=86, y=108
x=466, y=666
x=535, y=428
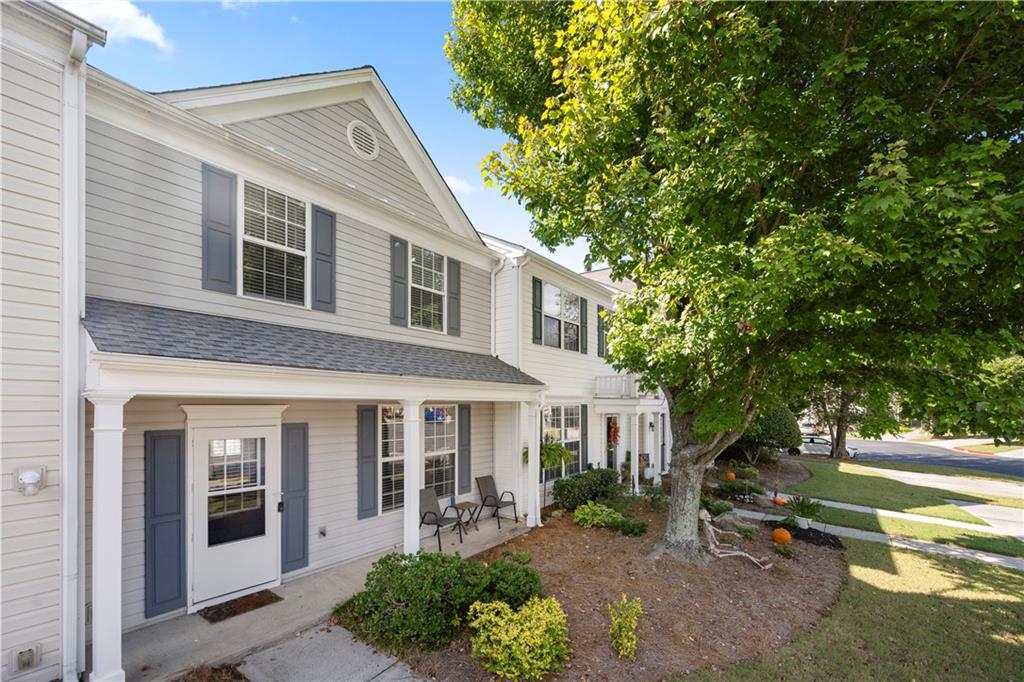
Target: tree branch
x=963, y=56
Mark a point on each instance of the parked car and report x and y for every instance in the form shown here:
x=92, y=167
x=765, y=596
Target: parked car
x=817, y=445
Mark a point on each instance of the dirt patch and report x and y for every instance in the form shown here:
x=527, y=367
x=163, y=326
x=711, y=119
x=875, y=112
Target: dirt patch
x=222, y=673
x=694, y=616
x=779, y=475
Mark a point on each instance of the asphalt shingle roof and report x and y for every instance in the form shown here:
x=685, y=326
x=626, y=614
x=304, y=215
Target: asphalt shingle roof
x=118, y=327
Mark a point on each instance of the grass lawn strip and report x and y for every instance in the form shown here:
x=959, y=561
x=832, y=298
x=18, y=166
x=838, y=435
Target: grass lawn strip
x=941, y=470
x=847, y=482
x=907, y=615
x=944, y=535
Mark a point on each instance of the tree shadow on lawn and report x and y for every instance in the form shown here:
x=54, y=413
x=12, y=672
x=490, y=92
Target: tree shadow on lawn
x=908, y=615
x=847, y=482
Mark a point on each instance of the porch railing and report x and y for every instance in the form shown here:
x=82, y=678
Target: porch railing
x=619, y=386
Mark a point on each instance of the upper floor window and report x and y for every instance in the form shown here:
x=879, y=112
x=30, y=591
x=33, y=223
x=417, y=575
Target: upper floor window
x=274, y=245
x=427, y=289
x=561, y=318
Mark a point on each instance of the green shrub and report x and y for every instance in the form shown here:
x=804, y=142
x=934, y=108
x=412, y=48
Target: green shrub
x=595, y=514
x=741, y=469
x=656, y=497
x=714, y=505
x=512, y=581
x=596, y=484
x=418, y=599
x=624, y=615
x=520, y=644
x=627, y=527
x=738, y=489
x=805, y=507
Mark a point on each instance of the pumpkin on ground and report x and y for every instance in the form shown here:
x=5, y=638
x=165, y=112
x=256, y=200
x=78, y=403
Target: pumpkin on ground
x=781, y=536
x=730, y=476
x=781, y=501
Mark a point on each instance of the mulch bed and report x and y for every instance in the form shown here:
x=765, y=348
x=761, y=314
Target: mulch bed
x=222, y=673
x=786, y=472
x=694, y=617
x=236, y=607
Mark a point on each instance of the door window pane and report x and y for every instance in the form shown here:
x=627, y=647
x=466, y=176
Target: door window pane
x=236, y=504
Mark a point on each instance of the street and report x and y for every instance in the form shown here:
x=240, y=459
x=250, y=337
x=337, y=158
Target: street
x=907, y=451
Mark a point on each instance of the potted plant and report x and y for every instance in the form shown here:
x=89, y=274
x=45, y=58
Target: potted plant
x=804, y=510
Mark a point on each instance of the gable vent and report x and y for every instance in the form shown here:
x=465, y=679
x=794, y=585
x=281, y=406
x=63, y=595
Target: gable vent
x=363, y=140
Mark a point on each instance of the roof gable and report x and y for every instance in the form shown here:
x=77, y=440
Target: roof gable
x=239, y=104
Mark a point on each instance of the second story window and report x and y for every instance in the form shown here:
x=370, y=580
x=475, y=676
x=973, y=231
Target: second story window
x=274, y=245
x=427, y=289
x=561, y=318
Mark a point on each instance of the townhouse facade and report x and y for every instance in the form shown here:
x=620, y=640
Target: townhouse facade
x=244, y=326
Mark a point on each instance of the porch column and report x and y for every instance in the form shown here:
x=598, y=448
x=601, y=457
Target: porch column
x=634, y=447
x=412, y=425
x=107, y=495
x=533, y=463
x=656, y=447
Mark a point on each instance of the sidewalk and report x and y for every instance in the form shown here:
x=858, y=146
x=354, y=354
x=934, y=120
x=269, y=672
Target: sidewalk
x=905, y=543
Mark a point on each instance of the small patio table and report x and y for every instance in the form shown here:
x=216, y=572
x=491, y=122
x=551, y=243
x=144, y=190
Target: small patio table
x=471, y=508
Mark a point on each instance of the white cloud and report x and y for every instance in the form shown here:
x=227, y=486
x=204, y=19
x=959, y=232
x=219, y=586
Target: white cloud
x=122, y=20
x=460, y=186
x=294, y=19
x=236, y=4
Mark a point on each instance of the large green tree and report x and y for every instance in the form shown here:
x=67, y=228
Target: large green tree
x=796, y=188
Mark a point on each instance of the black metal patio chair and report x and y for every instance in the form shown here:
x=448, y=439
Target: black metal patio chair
x=431, y=515
x=489, y=497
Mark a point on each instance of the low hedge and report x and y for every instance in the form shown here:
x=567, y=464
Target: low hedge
x=520, y=644
x=596, y=484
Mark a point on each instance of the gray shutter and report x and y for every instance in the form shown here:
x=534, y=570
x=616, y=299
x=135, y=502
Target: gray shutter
x=399, y=282
x=583, y=325
x=295, y=495
x=366, y=456
x=584, y=457
x=164, y=523
x=538, y=311
x=465, y=457
x=454, y=297
x=600, y=332
x=219, y=219
x=323, y=267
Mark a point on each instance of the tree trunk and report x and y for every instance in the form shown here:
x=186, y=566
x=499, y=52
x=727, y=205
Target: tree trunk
x=842, y=420
x=682, y=537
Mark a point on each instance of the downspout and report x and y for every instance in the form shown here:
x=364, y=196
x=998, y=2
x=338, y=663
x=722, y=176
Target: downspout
x=72, y=308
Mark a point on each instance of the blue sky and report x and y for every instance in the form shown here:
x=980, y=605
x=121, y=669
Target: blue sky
x=170, y=45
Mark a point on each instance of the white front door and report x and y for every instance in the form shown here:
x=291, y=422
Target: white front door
x=236, y=538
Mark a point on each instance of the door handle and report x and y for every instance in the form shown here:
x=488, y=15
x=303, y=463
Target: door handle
x=280, y=506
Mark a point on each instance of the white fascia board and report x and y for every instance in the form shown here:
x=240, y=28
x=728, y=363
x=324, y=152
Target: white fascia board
x=144, y=375
x=260, y=99
x=123, y=106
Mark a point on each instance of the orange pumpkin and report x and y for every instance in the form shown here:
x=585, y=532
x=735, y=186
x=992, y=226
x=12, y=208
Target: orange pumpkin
x=781, y=536
x=730, y=476
x=781, y=501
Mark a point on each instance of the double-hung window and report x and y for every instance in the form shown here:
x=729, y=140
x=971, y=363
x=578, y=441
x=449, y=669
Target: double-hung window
x=392, y=456
x=562, y=425
x=439, y=449
x=427, y=289
x=561, y=318
x=274, y=245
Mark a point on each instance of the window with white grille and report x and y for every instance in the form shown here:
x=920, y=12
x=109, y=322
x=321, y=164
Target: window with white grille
x=561, y=318
x=427, y=289
x=562, y=425
x=439, y=449
x=392, y=456
x=274, y=245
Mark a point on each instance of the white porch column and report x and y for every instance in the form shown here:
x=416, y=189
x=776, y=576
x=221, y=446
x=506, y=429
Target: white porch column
x=533, y=463
x=107, y=495
x=412, y=425
x=634, y=448
x=656, y=447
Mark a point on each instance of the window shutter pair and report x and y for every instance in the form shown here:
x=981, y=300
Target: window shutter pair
x=219, y=229
x=400, y=288
x=601, y=341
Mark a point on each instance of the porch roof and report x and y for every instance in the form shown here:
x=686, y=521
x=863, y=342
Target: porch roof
x=119, y=327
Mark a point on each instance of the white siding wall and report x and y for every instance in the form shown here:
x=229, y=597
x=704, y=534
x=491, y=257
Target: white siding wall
x=505, y=327
x=144, y=244
x=332, y=480
x=319, y=138
x=30, y=338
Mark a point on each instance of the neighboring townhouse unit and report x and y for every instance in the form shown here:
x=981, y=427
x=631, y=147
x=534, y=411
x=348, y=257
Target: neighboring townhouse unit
x=550, y=322
x=42, y=49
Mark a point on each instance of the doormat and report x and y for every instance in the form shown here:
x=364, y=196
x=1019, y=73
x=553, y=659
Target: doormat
x=236, y=607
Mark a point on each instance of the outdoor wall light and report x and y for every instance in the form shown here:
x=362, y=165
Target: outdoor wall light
x=651, y=425
x=30, y=481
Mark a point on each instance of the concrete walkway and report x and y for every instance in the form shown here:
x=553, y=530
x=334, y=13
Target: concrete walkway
x=1005, y=520
x=324, y=653
x=905, y=543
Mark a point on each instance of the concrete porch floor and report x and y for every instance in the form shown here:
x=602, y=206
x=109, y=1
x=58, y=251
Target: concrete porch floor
x=164, y=650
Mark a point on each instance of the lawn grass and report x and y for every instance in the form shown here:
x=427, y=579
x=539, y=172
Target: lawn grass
x=945, y=535
x=941, y=470
x=903, y=616
x=856, y=484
